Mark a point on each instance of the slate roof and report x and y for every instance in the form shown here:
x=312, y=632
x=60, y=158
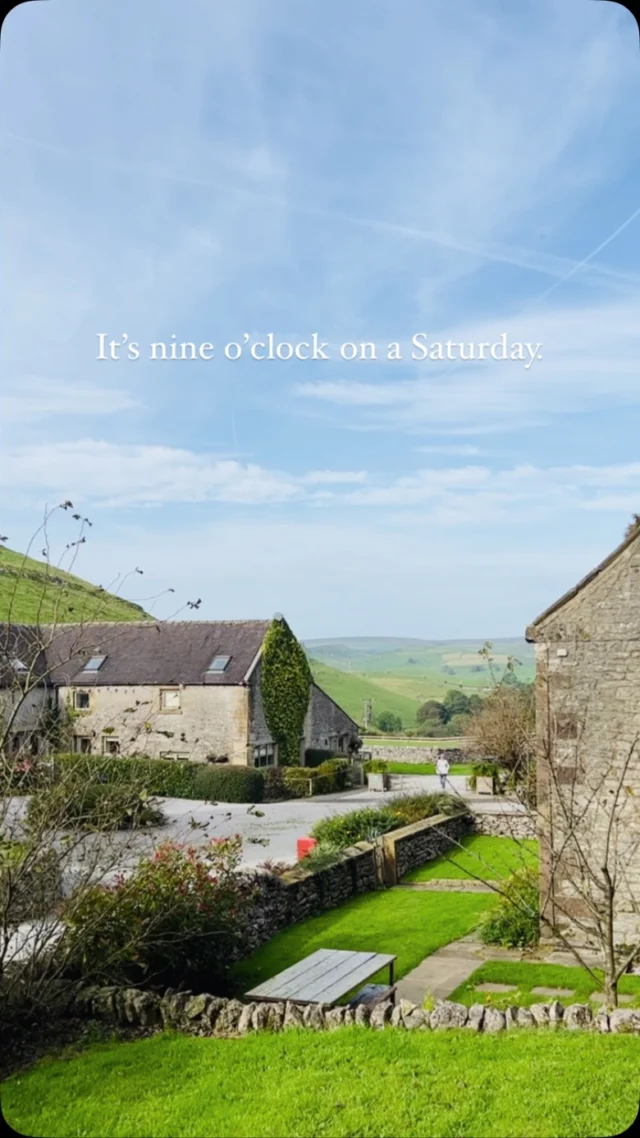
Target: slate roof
x=139, y=652
x=532, y=629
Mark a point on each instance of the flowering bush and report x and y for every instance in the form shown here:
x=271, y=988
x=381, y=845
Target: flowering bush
x=180, y=914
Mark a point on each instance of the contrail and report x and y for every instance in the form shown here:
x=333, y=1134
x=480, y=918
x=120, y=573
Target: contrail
x=594, y=253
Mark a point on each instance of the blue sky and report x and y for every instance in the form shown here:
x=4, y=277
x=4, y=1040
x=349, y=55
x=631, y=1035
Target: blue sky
x=365, y=171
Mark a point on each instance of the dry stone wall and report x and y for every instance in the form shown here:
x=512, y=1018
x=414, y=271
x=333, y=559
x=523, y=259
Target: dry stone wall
x=205, y=1014
x=417, y=755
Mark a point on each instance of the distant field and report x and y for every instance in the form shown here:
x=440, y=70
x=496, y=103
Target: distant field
x=393, y=669
x=350, y=692
x=32, y=592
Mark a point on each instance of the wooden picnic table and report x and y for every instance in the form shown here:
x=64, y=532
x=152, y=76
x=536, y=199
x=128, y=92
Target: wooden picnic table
x=324, y=977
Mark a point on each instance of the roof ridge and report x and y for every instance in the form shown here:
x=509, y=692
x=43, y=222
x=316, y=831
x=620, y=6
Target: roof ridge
x=628, y=540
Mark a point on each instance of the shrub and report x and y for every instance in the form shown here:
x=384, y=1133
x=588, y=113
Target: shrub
x=515, y=921
x=94, y=806
x=276, y=787
x=314, y=757
x=229, y=784
x=337, y=771
x=358, y=826
x=168, y=777
x=180, y=915
x=376, y=766
x=410, y=808
x=323, y=856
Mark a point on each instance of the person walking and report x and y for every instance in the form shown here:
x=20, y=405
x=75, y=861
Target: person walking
x=442, y=770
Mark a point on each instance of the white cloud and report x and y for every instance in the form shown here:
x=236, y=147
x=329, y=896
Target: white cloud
x=34, y=399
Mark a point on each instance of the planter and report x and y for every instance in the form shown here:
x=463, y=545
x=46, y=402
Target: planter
x=484, y=784
x=378, y=781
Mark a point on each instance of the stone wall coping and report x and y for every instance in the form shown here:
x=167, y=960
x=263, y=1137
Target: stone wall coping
x=423, y=824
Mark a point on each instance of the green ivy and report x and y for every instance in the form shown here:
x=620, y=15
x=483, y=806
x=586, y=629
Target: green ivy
x=285, y=686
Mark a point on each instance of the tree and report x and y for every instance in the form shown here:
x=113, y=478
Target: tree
x=388, y=722
x=433, y=711
x=455, y=703
x=50, y=847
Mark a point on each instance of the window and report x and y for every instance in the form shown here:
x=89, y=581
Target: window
x=264, y=756
x=110, y=746
x=94, y=664
x=218, y=664
x=82, y=744
x=18, y=666
x=81, y=700
x=170, y=699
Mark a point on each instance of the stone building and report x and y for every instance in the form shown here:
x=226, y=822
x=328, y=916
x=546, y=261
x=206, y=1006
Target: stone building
x=587, y=648
x=183, y=690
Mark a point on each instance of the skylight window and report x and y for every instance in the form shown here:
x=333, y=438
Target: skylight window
x=218, y=664
x=94, y=664
x=18, y=666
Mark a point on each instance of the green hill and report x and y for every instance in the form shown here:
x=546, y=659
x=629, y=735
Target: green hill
x=32, y=592
x=350, y=692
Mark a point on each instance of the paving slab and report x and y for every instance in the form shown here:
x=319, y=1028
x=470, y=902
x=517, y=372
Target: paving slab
x=623, y=997
x=490, y=987
x=542, y=991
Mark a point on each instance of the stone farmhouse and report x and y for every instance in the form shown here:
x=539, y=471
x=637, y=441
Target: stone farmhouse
x=587, y=648
x=181, y=690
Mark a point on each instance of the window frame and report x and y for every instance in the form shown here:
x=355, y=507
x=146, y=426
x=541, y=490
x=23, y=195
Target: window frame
x=85, y=694
x=211, y=671
x=108, y=742
x=270, y=755
x=170, y=710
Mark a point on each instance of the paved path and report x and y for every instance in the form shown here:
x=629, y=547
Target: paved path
x=439, y=974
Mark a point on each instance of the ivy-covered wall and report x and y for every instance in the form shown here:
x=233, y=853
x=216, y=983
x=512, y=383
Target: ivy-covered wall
x=285, y=686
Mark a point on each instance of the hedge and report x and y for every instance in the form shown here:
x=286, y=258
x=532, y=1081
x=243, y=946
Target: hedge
x=168, y=777
x=229, y=784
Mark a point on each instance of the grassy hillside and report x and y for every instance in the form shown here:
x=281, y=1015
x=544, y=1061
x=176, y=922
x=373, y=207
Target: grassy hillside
x=417, y=670
x=350, y=692
x=33, y=592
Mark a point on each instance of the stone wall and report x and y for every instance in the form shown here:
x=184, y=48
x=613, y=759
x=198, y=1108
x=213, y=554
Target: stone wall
x=301, y=892
x=212, y=720
x=413, y=846
x=205, y=1014
x=326, y=725
x=505, y=825
x=418, y=755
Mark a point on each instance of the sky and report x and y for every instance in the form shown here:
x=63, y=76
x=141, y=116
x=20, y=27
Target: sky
x=364, y=171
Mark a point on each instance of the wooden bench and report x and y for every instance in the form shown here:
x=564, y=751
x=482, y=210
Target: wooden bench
x=373, y=994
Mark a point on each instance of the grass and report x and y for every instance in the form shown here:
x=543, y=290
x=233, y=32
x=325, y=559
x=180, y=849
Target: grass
x=405, y=923
x=350, y=692
x=426, y=768
x=486, y=857
x=32, y=592
x=352, y=1082
x=527, y=976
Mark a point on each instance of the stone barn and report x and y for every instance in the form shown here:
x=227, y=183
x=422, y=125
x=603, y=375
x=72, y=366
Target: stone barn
x=587, y=649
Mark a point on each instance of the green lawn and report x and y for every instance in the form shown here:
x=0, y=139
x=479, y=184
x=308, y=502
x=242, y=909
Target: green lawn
x=528, y=976
x=353, y=1083
x=426, y=768
x=408, y=924
x=486, y=857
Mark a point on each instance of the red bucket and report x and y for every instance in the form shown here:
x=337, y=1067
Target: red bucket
x=304, y=846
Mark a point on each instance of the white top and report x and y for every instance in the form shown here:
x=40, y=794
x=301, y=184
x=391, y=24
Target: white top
x=442, y=765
